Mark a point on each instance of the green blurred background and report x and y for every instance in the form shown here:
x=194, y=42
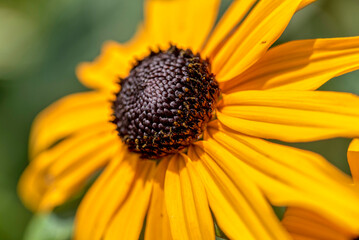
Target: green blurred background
x=42, y=41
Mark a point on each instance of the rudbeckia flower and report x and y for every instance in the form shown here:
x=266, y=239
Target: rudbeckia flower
x=307, y=224
x=178, y=118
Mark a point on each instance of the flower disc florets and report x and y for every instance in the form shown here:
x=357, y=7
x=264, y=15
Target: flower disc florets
x=165, y=102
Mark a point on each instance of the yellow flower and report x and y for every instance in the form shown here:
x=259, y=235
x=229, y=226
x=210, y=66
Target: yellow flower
x=307, y=224
x=231, y=171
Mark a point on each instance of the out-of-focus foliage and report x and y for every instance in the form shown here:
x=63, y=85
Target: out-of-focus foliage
x=48, y=226
x=42, y=41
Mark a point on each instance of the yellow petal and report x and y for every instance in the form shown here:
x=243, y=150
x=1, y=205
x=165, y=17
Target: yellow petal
x=67, y=184
x=305, y=3
x=353, y=159
x=105, y=196
x=165, y=22
x=228, y=22
x=76, y=173
x=157, y=221
x=56, y=174
x=240, y=209
x=68, y=115
x=291, y=115
x=254, y=36
x=128, y=219
x=303, y=223
x=115, y=62
x=177, y=21
x=186, y=201
x=299, y=65
x=235, y=14
x=289, y=176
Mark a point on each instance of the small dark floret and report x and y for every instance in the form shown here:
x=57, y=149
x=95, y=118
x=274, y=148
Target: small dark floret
x=165, y=102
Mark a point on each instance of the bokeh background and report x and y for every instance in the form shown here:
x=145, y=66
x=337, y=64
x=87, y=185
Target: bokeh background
x=42, y=41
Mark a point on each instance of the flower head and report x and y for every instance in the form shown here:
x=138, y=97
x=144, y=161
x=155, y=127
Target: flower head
x=165, y=102
x=180, y=131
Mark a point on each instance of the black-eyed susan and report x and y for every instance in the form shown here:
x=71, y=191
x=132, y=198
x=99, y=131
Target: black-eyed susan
x=308, y=224
x=180, y=130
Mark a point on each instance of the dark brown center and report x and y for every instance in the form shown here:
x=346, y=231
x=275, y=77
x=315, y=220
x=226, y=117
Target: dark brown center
x=165, y=102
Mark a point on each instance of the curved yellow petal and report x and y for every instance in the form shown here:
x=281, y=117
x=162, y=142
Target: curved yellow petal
x=76, y=112
x=157, y=221
x=128, y=219
x=56, y=174
x=254, y=36
x=229, y=21
x=110, y=190
x=240, y=209
x=115, y=62
x=299, y=65
x=106, y=70
x=304, y=223
x=234, y=15
x=291, y=116
x=305, y=3
x=186, y=201
x=177, y=21
x=65, y=185
x=288, y=176
x=353, y=159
